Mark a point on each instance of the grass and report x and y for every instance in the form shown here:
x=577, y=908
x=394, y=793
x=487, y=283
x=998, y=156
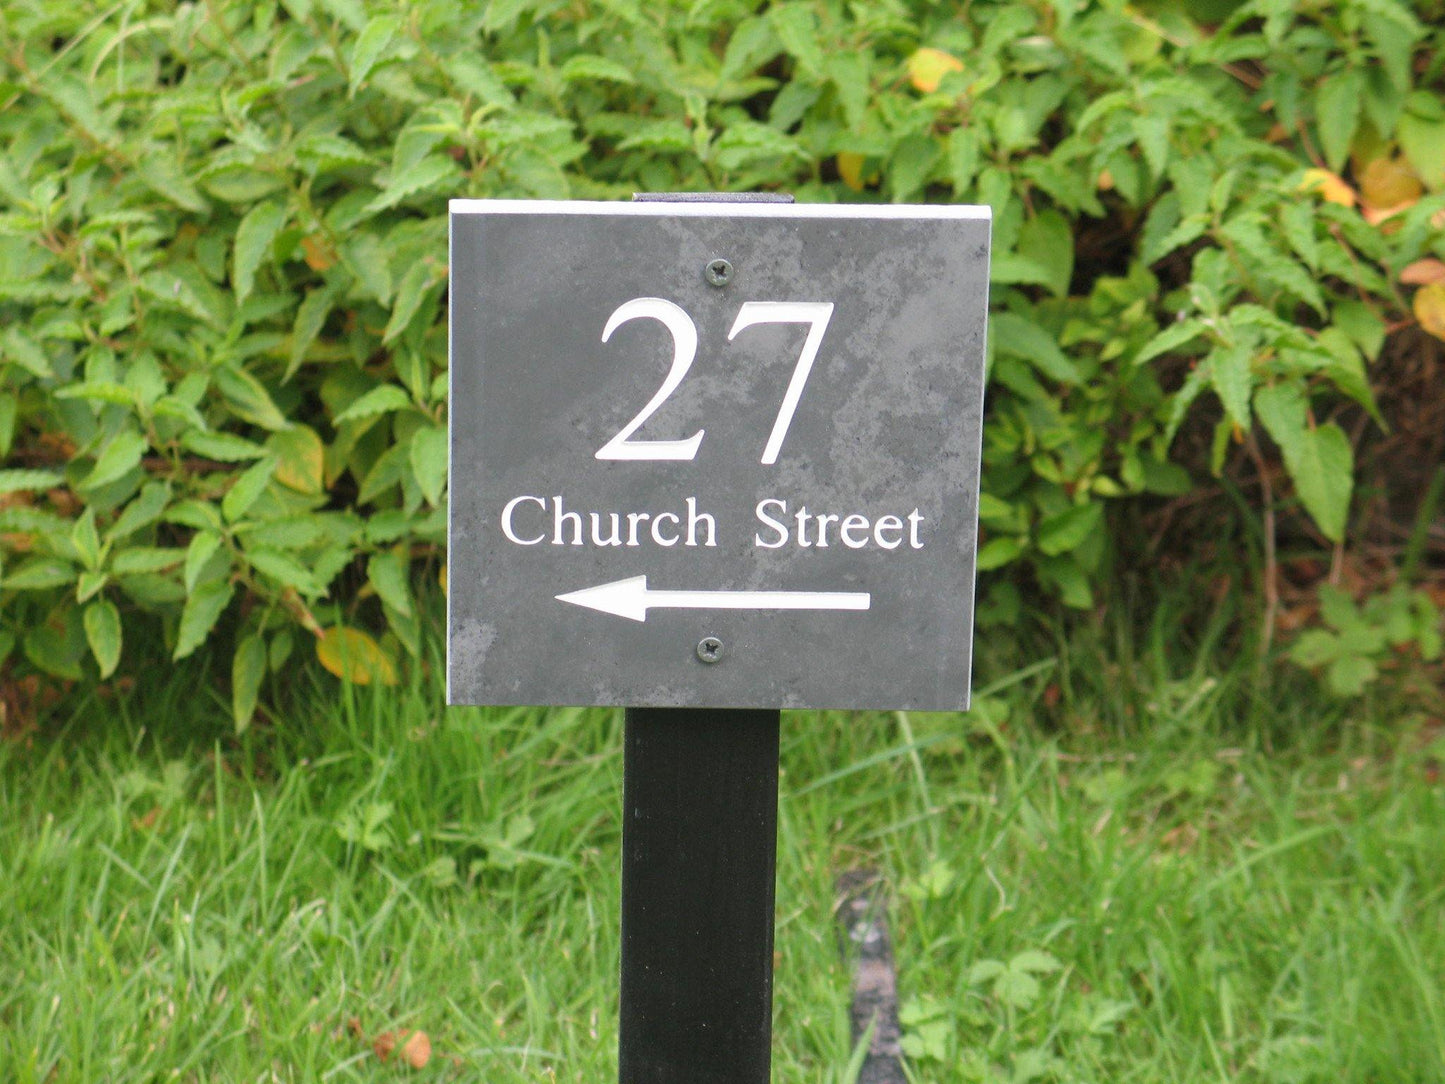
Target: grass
x=1132, y=862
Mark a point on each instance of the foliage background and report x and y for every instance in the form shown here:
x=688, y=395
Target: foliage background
x=1217, y=286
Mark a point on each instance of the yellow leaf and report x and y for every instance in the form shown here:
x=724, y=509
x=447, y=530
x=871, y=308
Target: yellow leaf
x=442, y=578
x=1430, y=308
x=1423, y=272
x=1328, y=186
x=1389, y=183
x=299, y=458
x=928, y=66
x=353, y=656
x=850, y=168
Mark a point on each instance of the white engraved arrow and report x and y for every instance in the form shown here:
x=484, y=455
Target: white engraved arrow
x=631, y=599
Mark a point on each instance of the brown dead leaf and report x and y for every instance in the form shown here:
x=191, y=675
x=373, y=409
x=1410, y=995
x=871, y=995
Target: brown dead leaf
x=1423, y=272
x=1106, y=181
x=319, y=254
x=415, y=1047
x=56, y=445
x=416, y=1052
x=353, y=1025
x=64, y=501
x=1380, y=216
x=1181, y=838
x=146, y=820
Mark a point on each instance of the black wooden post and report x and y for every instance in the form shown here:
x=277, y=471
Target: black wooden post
x=699, y=856
x=699, y=850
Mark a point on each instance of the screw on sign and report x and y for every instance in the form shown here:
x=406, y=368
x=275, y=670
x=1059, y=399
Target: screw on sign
x=770, y=469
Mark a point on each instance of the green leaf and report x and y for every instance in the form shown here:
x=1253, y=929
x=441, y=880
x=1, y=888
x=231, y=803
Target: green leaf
x=1318, y=458
x=1233, y=379
x=1421, y=132
x=429, y=462
x=40, y=574
x=202, y=548
x=203, y=608
x=248, y=667
x=247, y=488
x=102, y=632
x=1016, y=988
x=310, y=318
x=9, y=410
x=99, y=391
x=409, y=296
x=381, y=399
x=1349, y=674
x=1035, y=961
x=1274, y=266
x=1170, y=340
x=1013, y=334
x=1324, y=477
x=253, y=242
x=797, y=29
x=29, y=481
x=147, y=559
x=90, y=584
x=1337, y=114
x=997, y=552
x=249, y=398
x=226, y=447
x=86, y=539
x=586, y=67
x=120, y=456
x=21, y=349
x=1064, y=532
x=285, y=570
x=387, y=572
x=370, y=46
x=366, y=257
x=433, y=171
x=164, y=177
x=1047, y=241
x=142, y=511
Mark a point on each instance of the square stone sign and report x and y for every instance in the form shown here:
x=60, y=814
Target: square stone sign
x=714, y=454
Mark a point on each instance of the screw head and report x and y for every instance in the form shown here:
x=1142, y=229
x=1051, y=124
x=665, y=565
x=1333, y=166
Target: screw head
x=709, y=649
x=718, y=272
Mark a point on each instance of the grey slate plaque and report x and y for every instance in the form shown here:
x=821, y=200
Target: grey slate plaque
x=677, y=483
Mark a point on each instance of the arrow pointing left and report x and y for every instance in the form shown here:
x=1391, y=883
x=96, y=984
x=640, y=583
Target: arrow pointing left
x=631, y=598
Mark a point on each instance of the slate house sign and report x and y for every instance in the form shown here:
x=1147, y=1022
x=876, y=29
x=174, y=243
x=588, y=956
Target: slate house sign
x=714, y=454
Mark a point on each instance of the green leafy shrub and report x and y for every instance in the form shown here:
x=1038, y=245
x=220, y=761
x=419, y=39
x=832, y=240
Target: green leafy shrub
x=1359, y=638
x=223, y=246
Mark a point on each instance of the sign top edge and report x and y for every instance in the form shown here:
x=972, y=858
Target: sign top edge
x=656, y=209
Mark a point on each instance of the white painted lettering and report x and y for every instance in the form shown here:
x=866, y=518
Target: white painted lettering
x=694, y=518
x=888, y=523
x=914, y=519
x=657, y=535
x=855, y=522
x=769, y=521
x=803, y=528
x=823, y=521
x=560, y=517
x=614, y=539
x=632, y=520
x=507, y=511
